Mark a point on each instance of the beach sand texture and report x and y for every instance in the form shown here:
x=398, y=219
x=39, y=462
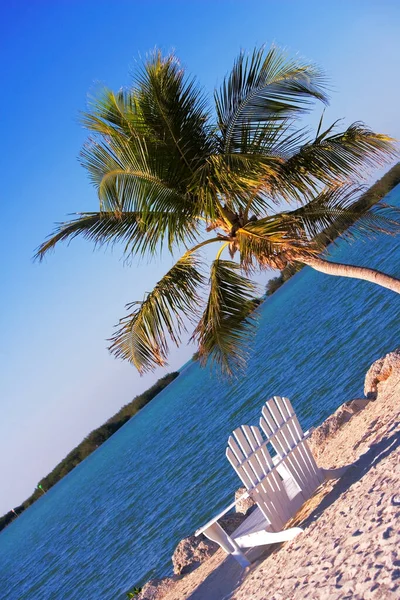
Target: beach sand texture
x=350, y=547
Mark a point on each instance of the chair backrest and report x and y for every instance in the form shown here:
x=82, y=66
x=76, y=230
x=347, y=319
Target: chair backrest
x=282, y=429
x=279, y=484
x=249, y=456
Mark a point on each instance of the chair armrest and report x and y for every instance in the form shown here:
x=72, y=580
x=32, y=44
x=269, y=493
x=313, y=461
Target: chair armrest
x=221, y=514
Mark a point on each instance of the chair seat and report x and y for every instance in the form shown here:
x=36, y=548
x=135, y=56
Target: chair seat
x=254, y=522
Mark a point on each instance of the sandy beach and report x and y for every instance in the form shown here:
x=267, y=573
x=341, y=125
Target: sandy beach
x=351, y=539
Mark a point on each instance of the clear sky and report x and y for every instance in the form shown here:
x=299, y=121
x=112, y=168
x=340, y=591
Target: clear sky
x=57, y=380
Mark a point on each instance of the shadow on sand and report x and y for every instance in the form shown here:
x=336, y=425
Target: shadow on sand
x=221, y=583
x=369, y=460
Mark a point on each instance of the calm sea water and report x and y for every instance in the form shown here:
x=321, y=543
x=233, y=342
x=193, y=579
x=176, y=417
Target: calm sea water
x=115, y=520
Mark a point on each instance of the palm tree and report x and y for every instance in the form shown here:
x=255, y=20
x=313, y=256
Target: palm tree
x=168, y=170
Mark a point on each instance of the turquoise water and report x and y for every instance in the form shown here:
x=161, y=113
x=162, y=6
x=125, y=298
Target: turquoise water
x=115, y=520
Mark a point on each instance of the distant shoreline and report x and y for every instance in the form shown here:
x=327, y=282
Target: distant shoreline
x=88, y=445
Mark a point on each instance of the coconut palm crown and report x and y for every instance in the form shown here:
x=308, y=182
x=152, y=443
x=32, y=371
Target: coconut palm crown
x=171, y=172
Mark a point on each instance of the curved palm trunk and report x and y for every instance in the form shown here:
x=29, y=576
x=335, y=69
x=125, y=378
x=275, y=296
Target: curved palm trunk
x=339, y=269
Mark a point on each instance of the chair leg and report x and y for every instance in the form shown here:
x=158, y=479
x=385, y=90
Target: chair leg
x=262, y=538
x=215, y=533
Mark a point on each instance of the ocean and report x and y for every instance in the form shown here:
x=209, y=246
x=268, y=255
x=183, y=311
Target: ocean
x=116, y=519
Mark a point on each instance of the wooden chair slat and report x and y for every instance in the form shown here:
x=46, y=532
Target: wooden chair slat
x=260, y=449
x=273, y=500
x=248, y=482
x=242, y=441
x=252, y=440
x=263, y=453
x=288, y=440
x=236, y=449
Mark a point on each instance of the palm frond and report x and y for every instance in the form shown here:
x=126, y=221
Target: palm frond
x=112, y=114
x=332, y=212
x=223, y=330
x=175, y=110
x=148, y=141
x=140, y=337
x=137, y=232
x=264, y=89
x=333, y=158
x=330, y=207
x=381, y=218
x=128, y=178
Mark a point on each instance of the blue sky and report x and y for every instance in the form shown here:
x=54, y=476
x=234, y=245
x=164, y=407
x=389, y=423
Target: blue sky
x=57, y=380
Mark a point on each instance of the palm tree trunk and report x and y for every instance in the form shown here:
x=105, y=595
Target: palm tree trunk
x=341, y=270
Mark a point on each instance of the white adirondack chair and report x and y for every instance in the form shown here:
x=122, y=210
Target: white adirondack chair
x=279, y=484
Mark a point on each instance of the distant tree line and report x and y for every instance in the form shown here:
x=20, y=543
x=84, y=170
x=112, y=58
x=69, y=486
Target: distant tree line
x=89, y=444
x=366, y=201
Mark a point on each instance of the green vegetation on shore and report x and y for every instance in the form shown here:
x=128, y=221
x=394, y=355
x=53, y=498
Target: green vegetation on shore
x=372, y=196
x=92, y=441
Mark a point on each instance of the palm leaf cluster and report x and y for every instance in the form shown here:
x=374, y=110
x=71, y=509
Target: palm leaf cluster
x=140, y=337
x=168, y=168
x=222, y=332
